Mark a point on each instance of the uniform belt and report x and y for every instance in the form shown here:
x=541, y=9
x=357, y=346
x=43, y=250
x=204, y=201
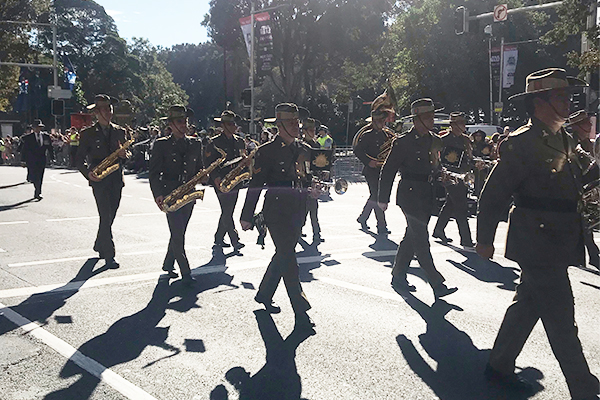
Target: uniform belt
x=172, y=177
x=288, y=184
x=409, y=176
x=546, y=204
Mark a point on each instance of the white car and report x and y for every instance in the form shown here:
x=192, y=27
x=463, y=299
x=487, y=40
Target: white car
x=488, y=129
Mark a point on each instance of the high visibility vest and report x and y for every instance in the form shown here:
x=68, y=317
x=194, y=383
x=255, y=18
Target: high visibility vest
x=326, y=142
x=74, y=140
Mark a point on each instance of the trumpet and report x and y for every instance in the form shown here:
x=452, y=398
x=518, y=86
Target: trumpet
x=454, y=178
x=186, y=193
x=111, y=163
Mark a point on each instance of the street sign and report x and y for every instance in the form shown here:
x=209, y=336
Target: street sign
x=56, y=92
x=500, y=12
x=498, y=106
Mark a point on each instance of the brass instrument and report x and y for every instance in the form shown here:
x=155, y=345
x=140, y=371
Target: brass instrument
x=235, y=176
x=486, y=163
x=110, y=164
x=453, y=178
x=384, y=149
x=186, y=193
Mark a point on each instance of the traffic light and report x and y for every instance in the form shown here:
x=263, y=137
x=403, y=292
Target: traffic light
x=246, y=97
x=58, y=107
x=461, y=20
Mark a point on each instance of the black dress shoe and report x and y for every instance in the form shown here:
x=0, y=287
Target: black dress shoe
x=112, y=263
x=508, y=381
x=188, y=280
x=172, y=274
x=304, y=323
x=402, y=284
x=222, y=244
x=442, y=290
x=238, y=246
x=38, y=196
x=318, y=239
x=442, y=237
x=270, y=306
x=363, y=224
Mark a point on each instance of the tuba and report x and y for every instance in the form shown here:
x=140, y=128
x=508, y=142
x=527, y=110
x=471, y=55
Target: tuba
x=235, y=176
x=186, y=193
x=384, y=149
x=111, y=163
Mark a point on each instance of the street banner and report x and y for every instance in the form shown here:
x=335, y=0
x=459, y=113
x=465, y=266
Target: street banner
x=265, y=44
x=511, y=54
x=247, y=32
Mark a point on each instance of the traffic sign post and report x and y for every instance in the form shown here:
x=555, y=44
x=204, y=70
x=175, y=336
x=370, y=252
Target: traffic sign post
x=500, y=12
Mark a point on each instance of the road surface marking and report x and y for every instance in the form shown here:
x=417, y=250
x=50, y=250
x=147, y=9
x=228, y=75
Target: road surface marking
x=14, y=222
x=54, y=261
x=2, y=251
x=98, y=370
x=127, y=195
x=143, y=214
x=359, y=288
x=70, y=219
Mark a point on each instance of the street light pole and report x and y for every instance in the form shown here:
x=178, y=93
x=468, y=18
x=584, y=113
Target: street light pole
x=251, y=81
x=501, y=83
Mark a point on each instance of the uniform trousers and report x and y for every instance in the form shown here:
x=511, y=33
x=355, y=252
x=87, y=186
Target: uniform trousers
x=455, y=206
x=371, y=205
x=284, y=265
x=227, y=202
x=312, y=208
x=416, y=238
x=36, y=174
x=178, y=222
x=545, y=293
x=108, y=198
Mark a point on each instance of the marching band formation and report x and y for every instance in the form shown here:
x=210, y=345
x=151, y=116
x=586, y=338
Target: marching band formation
x=548, y=174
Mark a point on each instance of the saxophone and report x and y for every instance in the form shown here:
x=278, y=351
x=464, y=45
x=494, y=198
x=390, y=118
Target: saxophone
x=186, y=193
x=236, y=175
x=110, y=164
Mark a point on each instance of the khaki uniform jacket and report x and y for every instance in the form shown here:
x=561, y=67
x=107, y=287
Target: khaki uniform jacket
x=543, y=173
x=94, y=147
x=234, y=148
x=459, y=142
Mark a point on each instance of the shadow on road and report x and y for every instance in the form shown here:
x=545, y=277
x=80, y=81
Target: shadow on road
x=279, y=378
x=127, y=338
x=460, y=365
x=488, y=271
x=14, y=185
x=16, y=205
x=41, y=306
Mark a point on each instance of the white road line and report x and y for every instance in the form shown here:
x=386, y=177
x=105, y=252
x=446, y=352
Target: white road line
x=98, y=370
x=143, y=214
x=54, y=261
x=127, y=195
x=78, y=186
x=14, y=222
x=374, y=292
x=70, y=219
x=2, y=251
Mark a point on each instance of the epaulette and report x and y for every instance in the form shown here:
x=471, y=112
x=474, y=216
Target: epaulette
x=521, y=130
x=163, y=139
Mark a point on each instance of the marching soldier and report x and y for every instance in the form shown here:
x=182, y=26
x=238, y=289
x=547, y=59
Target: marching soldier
x=235, y=147
x=312, y=205
x=416, y=155
x=284, y=211
x=175, y=160
x=95, y=144
x=457, y=156
x=542, y=169
x=368, y=145
x=33, y=151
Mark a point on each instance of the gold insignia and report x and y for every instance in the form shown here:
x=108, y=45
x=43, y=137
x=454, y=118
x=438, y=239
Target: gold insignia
x=207, y=153
x=282, y=144
x=452, y=157
x=256, y=170
x=321, y=161
x=486, y=151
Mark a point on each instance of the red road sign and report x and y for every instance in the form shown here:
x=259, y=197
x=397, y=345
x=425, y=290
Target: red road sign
x=500, y=12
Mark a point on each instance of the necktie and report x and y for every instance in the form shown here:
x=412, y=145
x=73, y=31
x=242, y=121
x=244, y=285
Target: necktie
x=39, y=139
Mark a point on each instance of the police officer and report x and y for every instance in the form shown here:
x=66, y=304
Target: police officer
x=416, y=155
x=457, y=156
x=541, y=168
x=33, y=151
x=284, y=211
x=312, y=205
x=324, y=140
x=175, y=160
x=235, y=147
x=95, y=144
x=368, y=144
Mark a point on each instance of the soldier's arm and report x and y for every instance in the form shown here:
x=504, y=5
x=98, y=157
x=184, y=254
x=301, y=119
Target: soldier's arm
x=82, y=152
x=259, y=178
x=360, y=150
x=155, y=169
x=388, y=172
x=504, y=179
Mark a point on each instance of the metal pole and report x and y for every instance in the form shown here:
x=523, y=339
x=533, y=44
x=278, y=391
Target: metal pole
x=55, y=58
x=501, y=75
x=491, y=83
x=252, y=127
x=348, y=122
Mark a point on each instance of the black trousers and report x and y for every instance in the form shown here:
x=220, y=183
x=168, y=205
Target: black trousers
x=108, y=198
x=371, y=205
x=35, y=173
x=178, y=222
x=284, y=265
x=312, y=208
x=591, y=246
x=545, y=293
x=227, y=202
x=455, y=206
x=416, y=242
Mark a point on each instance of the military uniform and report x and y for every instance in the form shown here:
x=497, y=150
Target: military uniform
x=456, y=194
x=312, y=204
x=33, y=152
x=95, y=144
x=173, y=163
x=545, y=235
x=234, y=148
x=367, y=148
x=417, y=159
x=284, y=208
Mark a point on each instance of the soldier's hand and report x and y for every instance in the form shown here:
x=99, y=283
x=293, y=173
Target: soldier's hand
x=374, y=164
x=383, y=206
x=485, y=250
x=479, y=165
x=93, y=177
x=204, y=180
x=159, y=201
x=246, y=226
x=217, y=182
x=123, y=152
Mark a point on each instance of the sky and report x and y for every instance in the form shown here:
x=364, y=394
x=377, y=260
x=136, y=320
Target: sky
x=163, y=22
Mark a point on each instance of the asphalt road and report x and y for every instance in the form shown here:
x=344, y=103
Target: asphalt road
x=72, y=329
